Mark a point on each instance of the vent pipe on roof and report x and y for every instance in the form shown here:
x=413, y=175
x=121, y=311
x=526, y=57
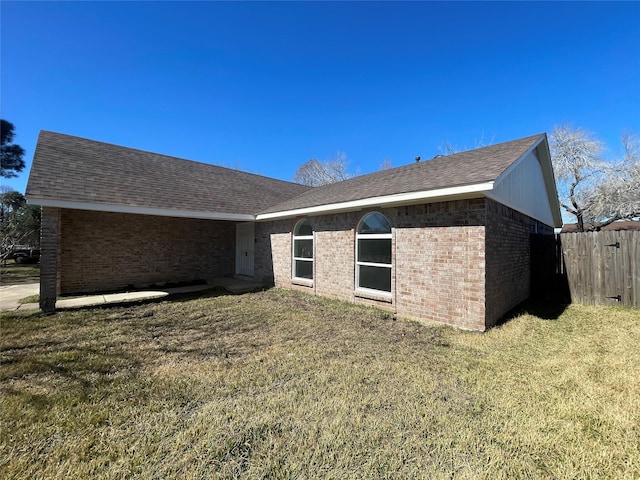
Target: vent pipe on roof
x=417, y=159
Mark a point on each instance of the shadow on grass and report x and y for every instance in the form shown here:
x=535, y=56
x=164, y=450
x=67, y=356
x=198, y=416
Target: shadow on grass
x=543, y=309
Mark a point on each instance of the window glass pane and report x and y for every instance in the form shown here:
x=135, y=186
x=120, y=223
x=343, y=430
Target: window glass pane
x=303, y=229
x=374, y=250
x=375, y=278
x=374, y=223
x=304, y=269
x=303, y=248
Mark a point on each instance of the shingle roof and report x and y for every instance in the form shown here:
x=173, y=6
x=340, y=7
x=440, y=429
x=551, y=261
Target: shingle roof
x=77, y=170
x=465, y=168
x=73, y=169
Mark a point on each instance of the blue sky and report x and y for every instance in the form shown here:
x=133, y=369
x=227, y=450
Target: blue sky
x=265, y=86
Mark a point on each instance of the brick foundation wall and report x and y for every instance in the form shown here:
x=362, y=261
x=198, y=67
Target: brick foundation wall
x=508, y=258
x=104, y=251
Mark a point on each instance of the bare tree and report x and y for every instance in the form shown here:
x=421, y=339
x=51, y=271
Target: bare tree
x=448, y=149
x=386, y=164
x=595, y=191
x=617, y=197
x=316, y=173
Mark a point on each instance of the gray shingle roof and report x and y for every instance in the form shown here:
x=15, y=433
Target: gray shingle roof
x=465, y=168
x=73, y=169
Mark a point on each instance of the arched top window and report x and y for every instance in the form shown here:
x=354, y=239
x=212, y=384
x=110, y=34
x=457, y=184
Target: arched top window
x=373, y=254
x=374, y=223
x=303, y=228
x=302, y=254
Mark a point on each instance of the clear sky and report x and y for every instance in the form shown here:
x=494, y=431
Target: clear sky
x=265, y=86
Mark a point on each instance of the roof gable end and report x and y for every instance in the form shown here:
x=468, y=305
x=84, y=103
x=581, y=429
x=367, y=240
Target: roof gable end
x=462, y=175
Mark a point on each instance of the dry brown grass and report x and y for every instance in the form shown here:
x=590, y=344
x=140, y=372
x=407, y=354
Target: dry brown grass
x=282, y=385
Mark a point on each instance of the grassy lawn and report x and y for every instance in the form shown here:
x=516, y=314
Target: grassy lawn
x=13, y=273
x=283, y=385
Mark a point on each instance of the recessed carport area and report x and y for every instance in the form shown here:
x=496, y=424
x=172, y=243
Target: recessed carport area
x=115, y=217
x=87, y=251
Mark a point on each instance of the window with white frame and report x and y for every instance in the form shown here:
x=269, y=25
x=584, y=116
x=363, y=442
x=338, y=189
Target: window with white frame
x=303, y=250
x=373, y=254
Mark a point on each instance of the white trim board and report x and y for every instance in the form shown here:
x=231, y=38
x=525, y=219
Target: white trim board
x=162, y=212
x=464, y=191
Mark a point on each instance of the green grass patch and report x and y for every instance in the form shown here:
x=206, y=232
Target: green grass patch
x=30, y=299
x=278, y=384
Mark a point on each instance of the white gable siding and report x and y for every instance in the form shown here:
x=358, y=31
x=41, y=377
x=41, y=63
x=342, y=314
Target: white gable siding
x=522, y=187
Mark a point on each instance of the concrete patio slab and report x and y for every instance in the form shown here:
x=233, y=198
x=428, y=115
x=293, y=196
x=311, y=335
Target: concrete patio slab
x=10, y=294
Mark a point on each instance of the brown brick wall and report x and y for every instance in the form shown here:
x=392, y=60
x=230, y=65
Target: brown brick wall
x=438, y=257
x=104, y=251
x=508, y=258
x=333, y=255
x=269, y=267
x=443, y=254
x=440, y=262
x=49, y=258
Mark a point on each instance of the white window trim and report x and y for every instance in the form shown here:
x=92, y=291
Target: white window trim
x=372, y=236
x=295, y=237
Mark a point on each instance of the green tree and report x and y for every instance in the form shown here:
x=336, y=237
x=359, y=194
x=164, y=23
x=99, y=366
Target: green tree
x=11, y=161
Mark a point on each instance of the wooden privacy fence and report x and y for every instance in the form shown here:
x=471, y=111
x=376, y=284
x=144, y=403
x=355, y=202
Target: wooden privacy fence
x=601, y=268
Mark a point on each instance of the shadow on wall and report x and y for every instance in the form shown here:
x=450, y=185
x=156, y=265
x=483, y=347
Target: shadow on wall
x=265, y=233
x=550, y=295
x=549, y=282
x=549, y=285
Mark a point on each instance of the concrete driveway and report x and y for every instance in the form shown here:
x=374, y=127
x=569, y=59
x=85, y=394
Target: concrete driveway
x=10, y=294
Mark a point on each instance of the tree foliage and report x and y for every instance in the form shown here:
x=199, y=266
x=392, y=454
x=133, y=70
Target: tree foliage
x=597, y=192
x=19, y=222
x=11, y=161
x=315, y=173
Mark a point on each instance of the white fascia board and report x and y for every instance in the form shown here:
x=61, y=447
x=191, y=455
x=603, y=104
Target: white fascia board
x=464, y=191
x=99, y=207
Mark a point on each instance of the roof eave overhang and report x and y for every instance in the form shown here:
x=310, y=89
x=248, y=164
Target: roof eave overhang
x=161, y=212
x=410, y=198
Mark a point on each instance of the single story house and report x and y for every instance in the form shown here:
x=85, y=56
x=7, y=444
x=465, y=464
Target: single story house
x=447, y=239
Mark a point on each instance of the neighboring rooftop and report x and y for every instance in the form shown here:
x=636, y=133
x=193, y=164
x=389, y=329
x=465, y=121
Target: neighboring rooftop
x=614, y=226
x=73, y=171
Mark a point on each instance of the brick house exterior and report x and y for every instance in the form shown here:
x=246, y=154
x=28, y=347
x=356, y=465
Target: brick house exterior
x=463, y=262
x=458, y=235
